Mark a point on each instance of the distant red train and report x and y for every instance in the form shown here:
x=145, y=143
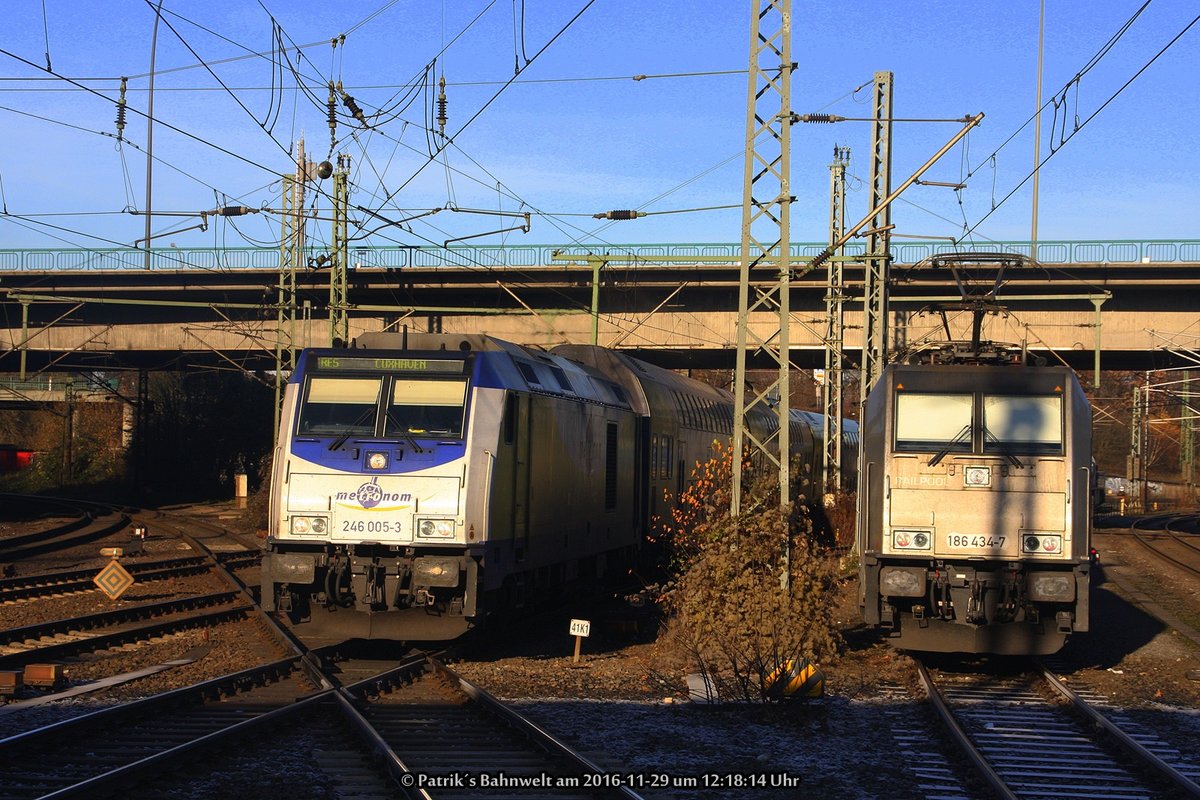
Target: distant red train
x=13, y=458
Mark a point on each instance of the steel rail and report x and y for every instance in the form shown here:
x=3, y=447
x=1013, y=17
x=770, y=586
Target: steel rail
x=169, y=759
x=38, y=536
x=1145, y=542
x=61, y=541
x=76, y=580
x=117, y=616
x=107, y=718
x=393, y=764
x=968, y=748
x=536, y=734
x=284, y=636
x=106, y=640
x=1125, y=740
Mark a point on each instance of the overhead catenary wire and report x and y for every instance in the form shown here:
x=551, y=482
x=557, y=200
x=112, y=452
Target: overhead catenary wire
x=286, y=149
x=1095, y=59
x=411, y=85
x=144, y=115
x=1080, y=125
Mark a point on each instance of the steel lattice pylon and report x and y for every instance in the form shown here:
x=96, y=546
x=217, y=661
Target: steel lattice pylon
x=339, y=319
x=291, y=253
x=875, y=322
x=765, y=275
x=835, y=330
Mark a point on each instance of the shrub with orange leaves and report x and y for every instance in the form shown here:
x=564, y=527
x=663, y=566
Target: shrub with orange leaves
x=748, y=593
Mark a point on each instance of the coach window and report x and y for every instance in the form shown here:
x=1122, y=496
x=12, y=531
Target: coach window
x=426, y=406
x=938, y=422
x=654, y=455
x=1022, y=424
x=666, y=456
x=340, y=405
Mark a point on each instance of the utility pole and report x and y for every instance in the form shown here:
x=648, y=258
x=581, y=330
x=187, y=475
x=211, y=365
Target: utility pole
x=150, y=131
x=878, y=259
x=835, y=331
x=339, y=318
x=1135, y=465
x=766, y=245
x=1187, y=433
x=290, y=255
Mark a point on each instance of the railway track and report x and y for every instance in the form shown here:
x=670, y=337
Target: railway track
x=86, y=528
x=1025, y=746
x=454, y=740
x=70, y=637
x=1171, y=538
x=421, y=731
x=63, y=582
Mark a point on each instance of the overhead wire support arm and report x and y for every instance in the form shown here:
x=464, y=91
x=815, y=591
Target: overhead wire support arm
x=887, y=201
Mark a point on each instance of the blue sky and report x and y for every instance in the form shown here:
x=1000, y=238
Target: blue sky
x=566, y=149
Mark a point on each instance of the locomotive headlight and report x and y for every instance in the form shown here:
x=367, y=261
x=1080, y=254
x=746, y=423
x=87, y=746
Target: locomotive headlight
x=911, y=540
x=435, y=571
x=435, y=528
x=1045, y=544
x=377, y=459
x=305, y=525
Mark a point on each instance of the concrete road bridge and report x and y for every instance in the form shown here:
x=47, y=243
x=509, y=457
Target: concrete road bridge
x=1119, y=304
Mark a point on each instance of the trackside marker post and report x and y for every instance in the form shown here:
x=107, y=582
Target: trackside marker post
x=579, y=629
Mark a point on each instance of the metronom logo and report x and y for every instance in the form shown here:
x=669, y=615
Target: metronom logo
x=370, y=495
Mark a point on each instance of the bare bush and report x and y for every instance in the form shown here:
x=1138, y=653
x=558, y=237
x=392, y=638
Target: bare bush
x=749, y=593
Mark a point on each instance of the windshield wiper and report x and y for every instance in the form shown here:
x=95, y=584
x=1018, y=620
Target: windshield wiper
x=408, y=437
x=341, y=440
x=965, y=433
x=1004, y=451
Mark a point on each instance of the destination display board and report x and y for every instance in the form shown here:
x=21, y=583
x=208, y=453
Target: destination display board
x=328, y=363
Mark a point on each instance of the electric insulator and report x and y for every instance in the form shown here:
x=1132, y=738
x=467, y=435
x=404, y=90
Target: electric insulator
x=821, y=119
x=619, y=214
x=352, y=107
x=331, y=107
x=121, y=113
x=441, y=105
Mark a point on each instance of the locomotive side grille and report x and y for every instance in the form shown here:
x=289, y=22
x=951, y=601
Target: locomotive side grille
x=610, y=467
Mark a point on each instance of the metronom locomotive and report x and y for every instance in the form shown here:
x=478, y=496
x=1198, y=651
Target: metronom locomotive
x=423, y=481
x=974, y=506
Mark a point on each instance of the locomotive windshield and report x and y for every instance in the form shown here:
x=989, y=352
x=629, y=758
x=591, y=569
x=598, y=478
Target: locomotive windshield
x=352, y=406
x=934, y=422
x=426, y=406
x=1022, y=423
x=1006, y=424
x=340, y=405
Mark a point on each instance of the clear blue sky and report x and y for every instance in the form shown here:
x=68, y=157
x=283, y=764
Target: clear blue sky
x=576, y=147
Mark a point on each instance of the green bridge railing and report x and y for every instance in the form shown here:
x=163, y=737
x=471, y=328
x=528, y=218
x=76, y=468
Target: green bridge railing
x=1155, y=251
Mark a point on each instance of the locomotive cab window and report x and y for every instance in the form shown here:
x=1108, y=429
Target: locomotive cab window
x=426, y=406
x=934, y=422
x=1023, y=424
x=340, y=406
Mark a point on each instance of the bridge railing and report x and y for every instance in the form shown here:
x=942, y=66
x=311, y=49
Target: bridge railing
x=396, y=257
